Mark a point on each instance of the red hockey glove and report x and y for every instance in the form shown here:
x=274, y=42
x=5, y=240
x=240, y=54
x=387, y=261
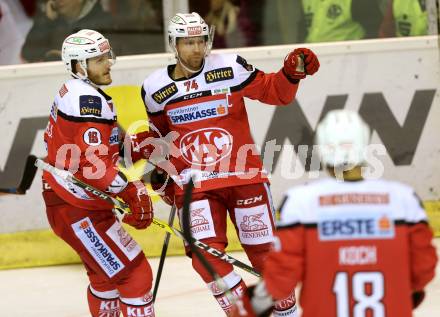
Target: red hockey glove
x=136, y=196
x=300, y=62
x=417, y=298
x=256, y=302
x=138, y=146
x=163, y=185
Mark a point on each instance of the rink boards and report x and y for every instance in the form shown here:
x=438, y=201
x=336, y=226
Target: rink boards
x=392, y=83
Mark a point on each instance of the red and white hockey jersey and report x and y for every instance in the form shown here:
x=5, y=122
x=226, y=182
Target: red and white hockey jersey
x=358, y=248
x=207, y=111
x=82, y=136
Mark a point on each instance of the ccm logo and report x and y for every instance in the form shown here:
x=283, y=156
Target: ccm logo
x=243, y=202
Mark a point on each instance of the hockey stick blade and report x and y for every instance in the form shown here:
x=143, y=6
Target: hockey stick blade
x=121, y=208
x=26, y=180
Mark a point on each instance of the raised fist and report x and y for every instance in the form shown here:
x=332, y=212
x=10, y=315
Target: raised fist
x=300, y=62
x=136, y=196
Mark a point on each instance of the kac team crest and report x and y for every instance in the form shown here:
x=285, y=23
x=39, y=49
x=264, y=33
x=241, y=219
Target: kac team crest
x=206, y=147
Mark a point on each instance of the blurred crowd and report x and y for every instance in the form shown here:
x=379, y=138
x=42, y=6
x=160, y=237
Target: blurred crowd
x=33, y=30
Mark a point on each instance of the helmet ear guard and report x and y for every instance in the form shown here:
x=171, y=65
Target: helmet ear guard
x=342, y=138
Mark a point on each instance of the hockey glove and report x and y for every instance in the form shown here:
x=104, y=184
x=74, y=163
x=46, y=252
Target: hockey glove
x=300, y=62
x=417, y=298
x=137, y=145
x=256, y=302
x=136, y=196
x=163, y=185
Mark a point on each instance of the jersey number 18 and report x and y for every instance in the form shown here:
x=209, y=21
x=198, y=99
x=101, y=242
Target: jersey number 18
x=367, y=291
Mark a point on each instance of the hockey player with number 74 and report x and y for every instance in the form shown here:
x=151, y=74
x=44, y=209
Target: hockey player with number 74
x=201, y=100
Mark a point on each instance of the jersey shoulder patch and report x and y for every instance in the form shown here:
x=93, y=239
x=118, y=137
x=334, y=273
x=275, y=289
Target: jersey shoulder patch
x=90, y=105
x=82, y=101
x=240, y=60
x=63, y=90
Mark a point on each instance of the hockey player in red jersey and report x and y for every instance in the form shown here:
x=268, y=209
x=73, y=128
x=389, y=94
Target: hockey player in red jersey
x=82, y=136
x=358, y=247
x=201, y=99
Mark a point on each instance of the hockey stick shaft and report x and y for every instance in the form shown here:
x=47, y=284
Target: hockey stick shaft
x=164, y=252
x=26, y=180
x=66, y=175
x=201, y=245
x=218, y=280
x=121, y=208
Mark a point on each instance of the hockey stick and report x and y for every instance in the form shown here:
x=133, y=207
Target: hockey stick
x=121, y=208
x=186, y=215
x=26, y=180
x=164, y=252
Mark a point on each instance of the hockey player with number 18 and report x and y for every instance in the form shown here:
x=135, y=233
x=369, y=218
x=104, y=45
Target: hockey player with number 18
x=358, y=247
x=82, y=136
x=201, y=100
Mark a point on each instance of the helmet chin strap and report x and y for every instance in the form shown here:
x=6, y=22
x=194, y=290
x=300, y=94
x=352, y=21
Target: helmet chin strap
x=84, y=78
x=182, y=63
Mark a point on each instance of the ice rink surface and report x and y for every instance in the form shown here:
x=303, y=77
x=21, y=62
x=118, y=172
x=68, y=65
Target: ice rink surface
x=60, y=291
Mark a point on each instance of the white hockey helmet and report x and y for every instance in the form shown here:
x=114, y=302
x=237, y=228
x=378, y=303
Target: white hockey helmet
x=83, y=45
x=342, y=137
x=189, y=25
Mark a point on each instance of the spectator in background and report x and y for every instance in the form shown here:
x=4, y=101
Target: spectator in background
x=250, y=21
x=59, y=19
x=405, y=18
x=139, y=15
x=222, y=15
x=247, y=14
x=138, y=24
x=14, y=26
x=339, y=20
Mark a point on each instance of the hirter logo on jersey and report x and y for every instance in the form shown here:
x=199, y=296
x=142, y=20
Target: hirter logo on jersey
x=219, y=74
x=165, y=93
x=206, y=147
x=354, y=224
x=199, y=111
x=90, y=105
